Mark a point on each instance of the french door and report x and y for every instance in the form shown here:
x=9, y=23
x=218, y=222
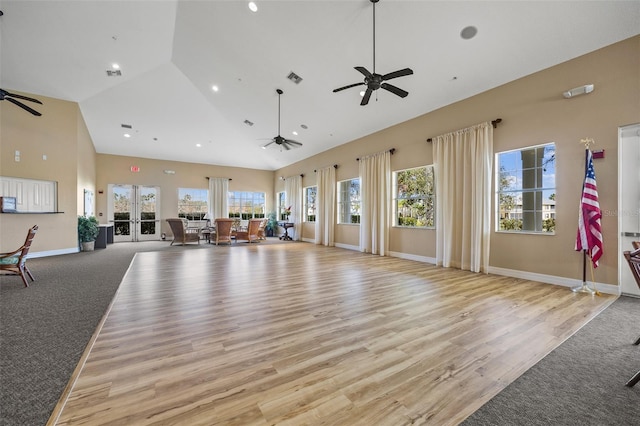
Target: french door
x=628, y=201
x=134, y=212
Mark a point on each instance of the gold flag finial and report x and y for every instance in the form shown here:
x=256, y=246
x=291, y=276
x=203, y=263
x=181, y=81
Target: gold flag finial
x=587, y=142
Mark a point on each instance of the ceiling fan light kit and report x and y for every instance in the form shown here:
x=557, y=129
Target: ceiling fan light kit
x=373, y=80
x=279, y=140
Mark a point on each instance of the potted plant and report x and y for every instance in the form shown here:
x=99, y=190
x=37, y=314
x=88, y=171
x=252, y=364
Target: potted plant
x=272, y=224
x=87, y=232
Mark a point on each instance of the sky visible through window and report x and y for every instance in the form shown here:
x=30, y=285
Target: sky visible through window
x=511, y=169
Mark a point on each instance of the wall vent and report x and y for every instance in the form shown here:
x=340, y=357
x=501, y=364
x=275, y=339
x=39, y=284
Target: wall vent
x=114, y=73
x=294, y=77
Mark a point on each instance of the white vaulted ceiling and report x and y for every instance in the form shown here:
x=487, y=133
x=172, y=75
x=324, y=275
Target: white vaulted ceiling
x=171, y=53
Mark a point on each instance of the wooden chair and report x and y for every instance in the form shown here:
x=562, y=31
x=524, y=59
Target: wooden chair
x=223, y=230
x=182, y=234
x=633, y=259
x=15, y=262
x=251, y=234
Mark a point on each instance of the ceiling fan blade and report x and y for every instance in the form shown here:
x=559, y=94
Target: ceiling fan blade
x=13, y=95
x=23, y=106
x=292, y=142
x=264, y=146
x=396, y=74
x=365, y=98
x=286, y=146
x=348, y=87
x=393, y=89
x=364, y=71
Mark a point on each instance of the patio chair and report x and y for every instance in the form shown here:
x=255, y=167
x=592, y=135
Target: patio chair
x=15, y=262
x=182, y=234
x=251, y=234
x=223, y=230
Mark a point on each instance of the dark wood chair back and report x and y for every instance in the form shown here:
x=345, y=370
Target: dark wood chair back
x=633, y=259
x=15, y=262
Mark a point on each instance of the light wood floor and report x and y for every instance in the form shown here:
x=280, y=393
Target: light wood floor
x=295, y=334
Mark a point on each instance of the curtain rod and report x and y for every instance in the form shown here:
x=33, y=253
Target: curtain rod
x=283, y=178
x=392, y=150
x=494, y=123
x=335, y=166
x=207, y=178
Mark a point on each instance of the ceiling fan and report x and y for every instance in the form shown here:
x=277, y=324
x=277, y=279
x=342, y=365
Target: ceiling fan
x=375, y=81
x=279, y=140
x=6, y=96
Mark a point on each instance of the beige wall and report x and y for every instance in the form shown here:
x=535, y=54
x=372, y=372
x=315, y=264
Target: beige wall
x=533, y=112
x=59, y=134
x=114, y=169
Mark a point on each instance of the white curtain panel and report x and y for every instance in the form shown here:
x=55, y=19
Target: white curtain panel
x=293, y=190
x=375, y=203
x=218, y=198
x=463, y=164
x=325, y=206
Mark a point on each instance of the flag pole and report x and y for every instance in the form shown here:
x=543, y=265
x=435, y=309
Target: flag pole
x=584, y=287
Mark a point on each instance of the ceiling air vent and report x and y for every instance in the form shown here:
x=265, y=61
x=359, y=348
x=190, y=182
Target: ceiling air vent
x=248, y=123
x=126, y=126
x=114, y=73
x=294, y=77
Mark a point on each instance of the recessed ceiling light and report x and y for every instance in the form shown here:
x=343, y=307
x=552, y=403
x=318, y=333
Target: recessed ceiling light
x=214, y=88
x=198, y=145
x=253, y=6
x=127, y=135
x=362, y=93
x=295, y=133
x=468, y=32
x=115, y=66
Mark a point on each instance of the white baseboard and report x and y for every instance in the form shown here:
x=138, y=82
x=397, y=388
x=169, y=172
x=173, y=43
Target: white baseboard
x=417, y=258
x=552, y=279
x=348, y=247
x=48, y=253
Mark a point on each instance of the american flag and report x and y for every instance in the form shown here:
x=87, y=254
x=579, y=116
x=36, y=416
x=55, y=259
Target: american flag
x=589, y=231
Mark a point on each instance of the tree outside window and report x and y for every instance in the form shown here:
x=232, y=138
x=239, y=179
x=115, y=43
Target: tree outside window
x=192, y=203
x=415, y=197
x=527, y=189
x=246, y=205
x=349, y=201
x=310, y=194
x=282, y=205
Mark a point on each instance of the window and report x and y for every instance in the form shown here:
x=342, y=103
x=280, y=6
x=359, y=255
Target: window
x=246, y=205
x=282, y=205
x=526, y=189
x=349, y=201
x=310, y=203
x=415, y=197
x=192, y=203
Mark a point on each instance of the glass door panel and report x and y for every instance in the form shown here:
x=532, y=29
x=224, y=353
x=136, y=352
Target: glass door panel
x=628, y=201
x=133, y=210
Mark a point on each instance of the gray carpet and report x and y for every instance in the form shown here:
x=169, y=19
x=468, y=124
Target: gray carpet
x=582, y=382
x=44, y=330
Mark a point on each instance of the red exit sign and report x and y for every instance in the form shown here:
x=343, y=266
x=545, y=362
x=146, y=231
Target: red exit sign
x=135, y=169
